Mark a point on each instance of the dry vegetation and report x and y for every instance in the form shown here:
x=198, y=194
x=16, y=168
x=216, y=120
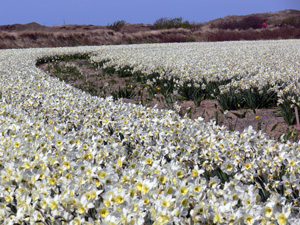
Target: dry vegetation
x=281, y=25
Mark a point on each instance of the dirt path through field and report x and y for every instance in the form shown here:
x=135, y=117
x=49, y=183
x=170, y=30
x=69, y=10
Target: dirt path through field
x=97, y=83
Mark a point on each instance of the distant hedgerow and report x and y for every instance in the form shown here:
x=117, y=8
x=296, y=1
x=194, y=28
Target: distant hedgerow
x=168, y=23
x=117, y=25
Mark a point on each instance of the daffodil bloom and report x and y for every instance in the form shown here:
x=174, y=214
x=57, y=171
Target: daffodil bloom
x=64, y=151
x=268, y=211
x=183, y=190
x=104, y=212
x=281, y=219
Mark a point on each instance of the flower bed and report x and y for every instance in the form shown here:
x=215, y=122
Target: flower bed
x=67, y=157
x=252, y=74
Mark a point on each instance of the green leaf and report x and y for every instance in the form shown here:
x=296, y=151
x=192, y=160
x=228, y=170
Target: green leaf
x=241, y=116
x=274, y=127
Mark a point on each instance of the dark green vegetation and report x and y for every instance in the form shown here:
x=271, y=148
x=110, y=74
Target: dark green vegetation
x=61, y=58
x=177, y=22
x=117, y=25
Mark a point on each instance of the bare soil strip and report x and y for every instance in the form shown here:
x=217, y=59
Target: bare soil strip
x=82, y=74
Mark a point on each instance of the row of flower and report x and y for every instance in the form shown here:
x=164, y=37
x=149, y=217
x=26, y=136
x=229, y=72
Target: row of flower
x=67, y=157
x=252, y=74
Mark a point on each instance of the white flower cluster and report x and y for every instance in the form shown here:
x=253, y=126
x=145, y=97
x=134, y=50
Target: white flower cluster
x=248, y=64
x=68, y=157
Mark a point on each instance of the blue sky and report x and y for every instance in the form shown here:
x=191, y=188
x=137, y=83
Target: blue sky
x=98, y=12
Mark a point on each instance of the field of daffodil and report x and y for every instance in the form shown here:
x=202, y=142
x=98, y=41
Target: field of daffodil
x=253, y=74
x=67, y=157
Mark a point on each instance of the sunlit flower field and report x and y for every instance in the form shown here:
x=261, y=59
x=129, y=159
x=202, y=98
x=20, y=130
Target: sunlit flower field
x=67, y=157
x=248, y=73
